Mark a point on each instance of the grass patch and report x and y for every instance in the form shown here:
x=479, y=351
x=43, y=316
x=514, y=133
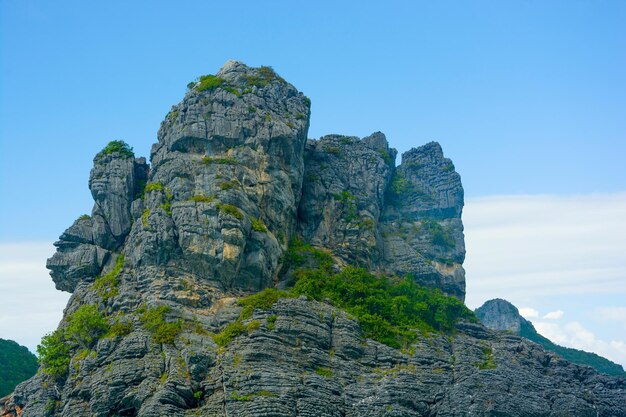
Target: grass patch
x=120, y=329
x=144, y=217
x=262, y=77
x=106, y=286
x=117, y=146
x=84, y=217
x=161, y=331
x=86, y=325
x=154, y=186
x=208, y=82
x=325, y=372
x=258, y=225
x=230, y=210
x=229, y=160
x=488, y=362
x=202, y=198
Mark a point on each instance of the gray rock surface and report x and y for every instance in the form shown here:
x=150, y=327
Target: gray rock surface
x=499, y=314
x=233, y=180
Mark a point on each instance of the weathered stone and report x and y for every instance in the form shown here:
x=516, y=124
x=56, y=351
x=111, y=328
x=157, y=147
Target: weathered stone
x=233, y=180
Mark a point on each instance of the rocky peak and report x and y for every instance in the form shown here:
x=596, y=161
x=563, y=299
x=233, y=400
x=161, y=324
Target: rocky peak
x=175, y=278
x=499, y=314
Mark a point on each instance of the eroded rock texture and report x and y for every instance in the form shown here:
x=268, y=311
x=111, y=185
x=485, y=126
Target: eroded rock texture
x=233, y=180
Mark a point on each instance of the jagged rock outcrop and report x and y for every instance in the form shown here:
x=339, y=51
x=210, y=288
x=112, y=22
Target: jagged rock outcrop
x=157, y=271
x=501, y=315
x=84, y=248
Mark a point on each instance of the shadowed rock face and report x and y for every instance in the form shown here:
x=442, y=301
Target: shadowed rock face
x=233, y=180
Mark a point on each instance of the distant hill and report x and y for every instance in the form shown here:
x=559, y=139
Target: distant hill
x=17, y=364
x=499, y=314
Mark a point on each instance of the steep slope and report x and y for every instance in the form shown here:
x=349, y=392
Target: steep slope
x=17, y=364
x=220, y=280
x=499, y=314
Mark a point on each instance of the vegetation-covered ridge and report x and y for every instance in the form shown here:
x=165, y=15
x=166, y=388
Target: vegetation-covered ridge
x=390, y=310
x=17, y=364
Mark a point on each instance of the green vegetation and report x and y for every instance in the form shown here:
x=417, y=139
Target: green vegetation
x=144, y=217
x=264, y=76
x=271, y=322
x=252, y=109
x=229, y=185
x=299, y=254
x=439, y=235
x=233, y=90
x=17, y=365
x=232, y=330
x=488, y=361
x=300, y=116
x=263, y=300
x=239, y=397
x=325, y=372
x=117, y=146
x=229, y=160
x=389, y=311
x=167, y=207
x=84, y=217
x=161, y=331
x=120, y=329
x=333, y=150
x=258, y=225
x=54, y=354
x=385, y=155
x=399, y=186
x=347, y=201
x=86, y=325
x=230, y=210
x=202, y=198
x=106, y=286
x=208, y=82
x=154, y=186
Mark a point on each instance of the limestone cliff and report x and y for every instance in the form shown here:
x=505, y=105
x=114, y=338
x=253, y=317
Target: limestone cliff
x=238, y=200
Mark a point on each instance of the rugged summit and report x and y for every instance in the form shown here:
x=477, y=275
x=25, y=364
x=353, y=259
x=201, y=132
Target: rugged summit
x=501, y=315
x=221, y=280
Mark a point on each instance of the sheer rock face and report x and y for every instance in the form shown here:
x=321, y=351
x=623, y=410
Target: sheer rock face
x=226, y=158
x=232, y=180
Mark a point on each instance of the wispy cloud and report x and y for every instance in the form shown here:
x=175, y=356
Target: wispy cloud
x=554, y=315
x=31, y=306
x=528, y=312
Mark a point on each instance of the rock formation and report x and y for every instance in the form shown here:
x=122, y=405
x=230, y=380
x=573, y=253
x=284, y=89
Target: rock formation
x=157, y=326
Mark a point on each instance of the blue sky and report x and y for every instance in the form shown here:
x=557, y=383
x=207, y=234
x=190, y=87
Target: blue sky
x=526, y=97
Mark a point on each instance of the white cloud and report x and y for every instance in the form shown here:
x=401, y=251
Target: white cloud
x=31, y=306
x=575, y=335
x=545, y=245
x=528, y=312
x=612, y=314
x=554, y=315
